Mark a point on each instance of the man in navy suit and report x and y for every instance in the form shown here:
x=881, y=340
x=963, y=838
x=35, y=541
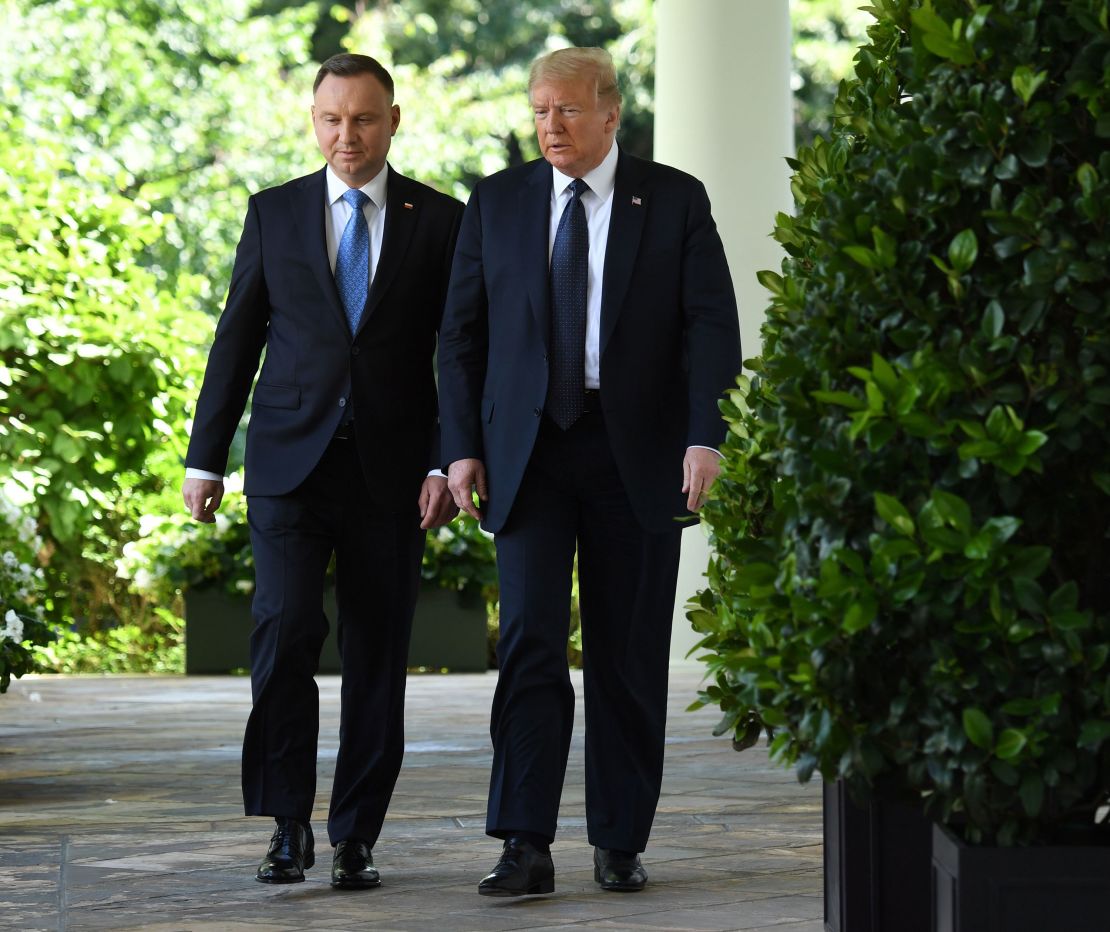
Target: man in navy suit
x=589, y=331
x=340, y=276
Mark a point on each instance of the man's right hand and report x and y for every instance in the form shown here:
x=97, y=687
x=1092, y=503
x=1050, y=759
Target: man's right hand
x=202, y=498
x=464, y=477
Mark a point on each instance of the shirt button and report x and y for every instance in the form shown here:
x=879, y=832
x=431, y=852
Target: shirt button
x=537, y=411
x=342, y=402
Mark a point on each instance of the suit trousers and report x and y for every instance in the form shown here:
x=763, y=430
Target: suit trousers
x=377, y=562
x=571, y=496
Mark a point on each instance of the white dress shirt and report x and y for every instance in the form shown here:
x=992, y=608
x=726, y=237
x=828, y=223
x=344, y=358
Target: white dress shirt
x=336, y=214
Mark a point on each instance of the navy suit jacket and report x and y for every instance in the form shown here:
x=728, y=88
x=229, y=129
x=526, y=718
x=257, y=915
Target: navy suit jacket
x=670, y=343
x=283, y=297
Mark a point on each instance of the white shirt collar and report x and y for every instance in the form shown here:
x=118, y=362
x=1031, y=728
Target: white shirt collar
x=373, y=189
x=601, y=180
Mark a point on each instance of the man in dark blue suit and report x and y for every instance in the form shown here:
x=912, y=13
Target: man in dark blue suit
x=589, y=331
x=340, y=276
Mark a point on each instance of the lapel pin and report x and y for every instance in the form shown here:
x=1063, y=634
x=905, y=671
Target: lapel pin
x=636, y=202
x=408, y=206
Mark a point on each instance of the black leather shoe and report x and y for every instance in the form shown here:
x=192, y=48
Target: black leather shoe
x=352, y=867
x=522, y=869
x=290, y=853
x=619, y=870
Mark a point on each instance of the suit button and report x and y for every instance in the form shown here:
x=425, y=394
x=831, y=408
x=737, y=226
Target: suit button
x=342, y=402
x=355, y=351
x=537, y=411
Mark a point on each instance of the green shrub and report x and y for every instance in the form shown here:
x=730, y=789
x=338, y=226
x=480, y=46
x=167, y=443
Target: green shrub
x=912, y=577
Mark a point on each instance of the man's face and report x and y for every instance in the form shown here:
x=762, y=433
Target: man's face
x=354, y=123
x=574, y=129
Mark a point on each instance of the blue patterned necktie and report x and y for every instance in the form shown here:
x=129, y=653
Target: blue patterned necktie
x=352, y=261
x=570, y=258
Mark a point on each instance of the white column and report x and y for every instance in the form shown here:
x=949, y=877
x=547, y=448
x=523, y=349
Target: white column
x=723, y=113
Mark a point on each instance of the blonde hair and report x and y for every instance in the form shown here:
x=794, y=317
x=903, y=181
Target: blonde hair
x=575, y=63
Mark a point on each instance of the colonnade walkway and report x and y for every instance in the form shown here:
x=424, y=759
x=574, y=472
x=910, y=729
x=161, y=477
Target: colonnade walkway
x=120, y=809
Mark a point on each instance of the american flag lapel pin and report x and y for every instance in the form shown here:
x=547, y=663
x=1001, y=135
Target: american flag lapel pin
x=407, y=206
x=636, y=202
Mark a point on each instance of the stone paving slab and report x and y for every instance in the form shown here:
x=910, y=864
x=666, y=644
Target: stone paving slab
x=120, y=809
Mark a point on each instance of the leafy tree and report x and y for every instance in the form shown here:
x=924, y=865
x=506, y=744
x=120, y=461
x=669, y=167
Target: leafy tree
x=188, y=105
x=91, y=359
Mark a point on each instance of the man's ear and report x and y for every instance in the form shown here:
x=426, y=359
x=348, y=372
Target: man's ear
x=396, y=118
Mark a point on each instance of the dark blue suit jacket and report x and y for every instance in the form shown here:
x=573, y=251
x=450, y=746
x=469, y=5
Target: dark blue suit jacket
x=670, y=343
x=283, y=297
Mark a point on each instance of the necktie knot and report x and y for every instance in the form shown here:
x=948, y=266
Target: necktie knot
x=577, y=188
x=356, y=198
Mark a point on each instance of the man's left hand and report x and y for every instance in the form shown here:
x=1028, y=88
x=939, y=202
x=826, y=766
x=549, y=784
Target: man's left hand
x=437, y=507
x=699, y=469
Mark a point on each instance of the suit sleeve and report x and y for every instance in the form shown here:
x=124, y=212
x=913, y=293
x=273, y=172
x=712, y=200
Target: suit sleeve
x=712, y=326
x=435, y=459
x=233, y=359
x=464, y=343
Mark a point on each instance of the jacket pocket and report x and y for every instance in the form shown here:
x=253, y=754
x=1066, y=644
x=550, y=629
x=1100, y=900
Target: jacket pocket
x=277, y=396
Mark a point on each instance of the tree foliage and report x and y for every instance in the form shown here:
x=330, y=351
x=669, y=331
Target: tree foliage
x=912, y=526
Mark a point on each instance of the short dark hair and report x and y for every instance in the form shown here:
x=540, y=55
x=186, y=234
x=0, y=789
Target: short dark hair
x=347, y=64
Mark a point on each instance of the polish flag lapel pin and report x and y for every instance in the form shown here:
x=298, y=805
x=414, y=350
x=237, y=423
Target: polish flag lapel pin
x=407, y=205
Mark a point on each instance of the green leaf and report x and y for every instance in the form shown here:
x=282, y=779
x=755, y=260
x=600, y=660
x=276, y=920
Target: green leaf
x=963, y=250
x=894, y=513
x=993, y=321
x=1025, y=82
x=860, y=614
x=772, y=281
x=1010, y=743
x=978, y=728
x=1032, y=794
x=868, y=258
x=1093, y=733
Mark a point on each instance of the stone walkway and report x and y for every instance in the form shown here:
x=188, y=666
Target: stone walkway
x=120, y=809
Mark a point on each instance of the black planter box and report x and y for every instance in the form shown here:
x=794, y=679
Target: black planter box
x=876, y=864
x=447, y=632
x=1034, y=889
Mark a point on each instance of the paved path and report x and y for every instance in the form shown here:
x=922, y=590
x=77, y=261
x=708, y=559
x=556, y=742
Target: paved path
x=120, y=809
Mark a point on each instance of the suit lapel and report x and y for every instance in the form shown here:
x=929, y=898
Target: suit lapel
x=626, y=223
x=311, y=199
x=402, y=211
x=535, y=213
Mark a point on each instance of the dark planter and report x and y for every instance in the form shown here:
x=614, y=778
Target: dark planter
x=448, y=632
x=1035, y=889
x=876, y=864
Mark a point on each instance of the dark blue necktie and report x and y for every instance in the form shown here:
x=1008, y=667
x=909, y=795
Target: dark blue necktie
x=570, y=263
x=352, y=260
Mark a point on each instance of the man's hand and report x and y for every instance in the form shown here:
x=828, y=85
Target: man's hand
x=699, y=468
x=463, y=478
x=202, y=498
x=436, y=505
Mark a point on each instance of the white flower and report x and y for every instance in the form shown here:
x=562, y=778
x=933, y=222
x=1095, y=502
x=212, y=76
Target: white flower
x=14, y=629
x=143, y=579
x=10, y=558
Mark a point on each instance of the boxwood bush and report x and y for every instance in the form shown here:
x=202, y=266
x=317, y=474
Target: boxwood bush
x=912, y=579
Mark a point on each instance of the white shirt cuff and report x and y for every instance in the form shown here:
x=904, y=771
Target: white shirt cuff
x=438, y=473
x=191, y=473
x=698, y=446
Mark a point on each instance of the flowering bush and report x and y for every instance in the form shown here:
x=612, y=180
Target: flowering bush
x=23, y=623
